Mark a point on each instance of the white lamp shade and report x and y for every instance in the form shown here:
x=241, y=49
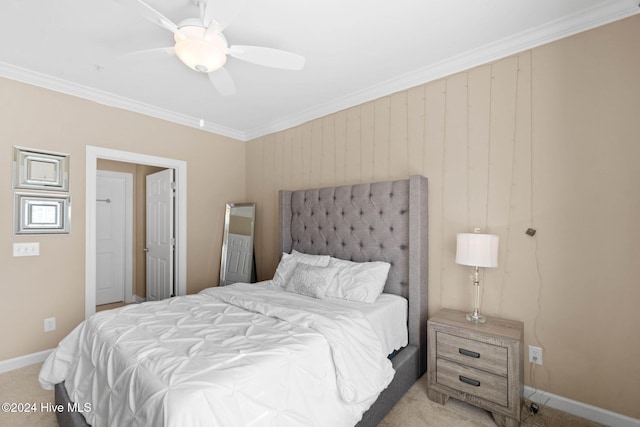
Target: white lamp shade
x=478, y=250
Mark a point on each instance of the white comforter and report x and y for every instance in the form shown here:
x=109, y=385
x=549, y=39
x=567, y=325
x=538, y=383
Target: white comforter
x=241, y=355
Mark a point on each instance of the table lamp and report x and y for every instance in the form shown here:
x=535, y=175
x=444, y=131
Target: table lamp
x=477, y=250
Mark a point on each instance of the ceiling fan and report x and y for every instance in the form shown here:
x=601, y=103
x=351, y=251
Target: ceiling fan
x=201, y=45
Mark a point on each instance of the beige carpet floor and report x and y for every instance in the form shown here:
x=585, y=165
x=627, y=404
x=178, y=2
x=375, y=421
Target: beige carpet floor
x=22, y=387
x=414, y=410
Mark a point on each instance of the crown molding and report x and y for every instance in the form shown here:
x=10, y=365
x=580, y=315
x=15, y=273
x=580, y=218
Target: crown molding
x=549, y=32
x=111, y=100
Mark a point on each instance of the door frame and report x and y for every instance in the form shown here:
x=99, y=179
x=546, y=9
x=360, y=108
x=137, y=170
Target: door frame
x=128, y=224
x=92, y=155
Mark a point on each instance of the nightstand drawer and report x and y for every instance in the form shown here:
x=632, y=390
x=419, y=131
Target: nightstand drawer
x=472, y=353
x=472, y=381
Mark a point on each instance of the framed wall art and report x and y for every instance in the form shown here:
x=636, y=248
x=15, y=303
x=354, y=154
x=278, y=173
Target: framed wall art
x=40, y=170
x=42, y=214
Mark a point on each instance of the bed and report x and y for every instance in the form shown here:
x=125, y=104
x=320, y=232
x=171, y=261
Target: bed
x=363, y=223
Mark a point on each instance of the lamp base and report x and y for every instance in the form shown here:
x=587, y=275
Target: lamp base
x=476, y=318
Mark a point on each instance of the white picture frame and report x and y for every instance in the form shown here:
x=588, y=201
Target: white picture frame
x=40, y=170
x=42, y=214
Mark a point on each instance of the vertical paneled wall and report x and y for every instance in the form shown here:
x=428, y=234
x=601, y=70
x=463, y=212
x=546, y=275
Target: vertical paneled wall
x=468, y=134
x=546, y=139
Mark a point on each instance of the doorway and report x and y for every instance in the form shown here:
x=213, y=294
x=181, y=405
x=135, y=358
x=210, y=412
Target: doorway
x=180, y=168
x=113, y=225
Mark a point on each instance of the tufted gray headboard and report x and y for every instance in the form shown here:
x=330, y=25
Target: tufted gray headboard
x=382, y=221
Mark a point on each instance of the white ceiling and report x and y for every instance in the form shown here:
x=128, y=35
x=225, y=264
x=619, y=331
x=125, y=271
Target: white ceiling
x=355, y=50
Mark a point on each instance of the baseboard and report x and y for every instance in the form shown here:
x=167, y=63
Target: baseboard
x=592, y=413
x=22, y=361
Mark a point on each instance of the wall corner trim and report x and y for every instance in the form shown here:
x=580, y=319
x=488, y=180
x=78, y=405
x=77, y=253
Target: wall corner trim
x=579, y=409
x=22, y=361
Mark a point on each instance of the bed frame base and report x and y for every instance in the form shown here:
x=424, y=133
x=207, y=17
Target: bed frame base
x=406, y=363
x=65, y=417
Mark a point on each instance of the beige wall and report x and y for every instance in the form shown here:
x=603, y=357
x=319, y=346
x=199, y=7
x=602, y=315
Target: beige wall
x=52, y=284
x=546, y=139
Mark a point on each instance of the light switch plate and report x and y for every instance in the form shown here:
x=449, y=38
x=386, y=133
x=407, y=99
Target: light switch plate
x=26, y=249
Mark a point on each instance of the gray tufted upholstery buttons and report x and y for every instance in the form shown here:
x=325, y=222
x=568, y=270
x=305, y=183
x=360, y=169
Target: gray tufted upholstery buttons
x=360, y=222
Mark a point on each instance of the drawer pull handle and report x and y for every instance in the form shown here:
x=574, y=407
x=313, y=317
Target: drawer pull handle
x=469, y=353
x=469, y=381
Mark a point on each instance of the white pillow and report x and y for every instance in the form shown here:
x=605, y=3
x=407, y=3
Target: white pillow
x=288, y=263
x=322, y=260
x=311, y=280
x=358, y=281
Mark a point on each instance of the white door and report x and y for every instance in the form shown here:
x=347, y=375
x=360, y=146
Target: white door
x=160, y=236
x=239, y=259
x=113, y=236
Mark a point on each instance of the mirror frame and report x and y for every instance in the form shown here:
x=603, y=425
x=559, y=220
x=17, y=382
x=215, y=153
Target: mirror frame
x=225, y=242
x=30, y=217
x=26, y=164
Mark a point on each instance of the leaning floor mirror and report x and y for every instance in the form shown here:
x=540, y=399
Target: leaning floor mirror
x=237, y=263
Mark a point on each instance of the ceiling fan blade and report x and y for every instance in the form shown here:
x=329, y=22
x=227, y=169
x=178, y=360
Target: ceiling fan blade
x=222, y=12
x=268, y=57
x=150, y=13
x=222, y=81
x=155, y=53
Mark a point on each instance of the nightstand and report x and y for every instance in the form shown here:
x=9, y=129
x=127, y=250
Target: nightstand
x=477, y=363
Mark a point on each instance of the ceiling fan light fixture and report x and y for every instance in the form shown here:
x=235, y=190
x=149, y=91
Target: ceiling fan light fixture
x=200, y=51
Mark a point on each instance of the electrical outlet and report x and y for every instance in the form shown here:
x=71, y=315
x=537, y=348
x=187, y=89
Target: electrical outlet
x=535, y=355
x=50, y=324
